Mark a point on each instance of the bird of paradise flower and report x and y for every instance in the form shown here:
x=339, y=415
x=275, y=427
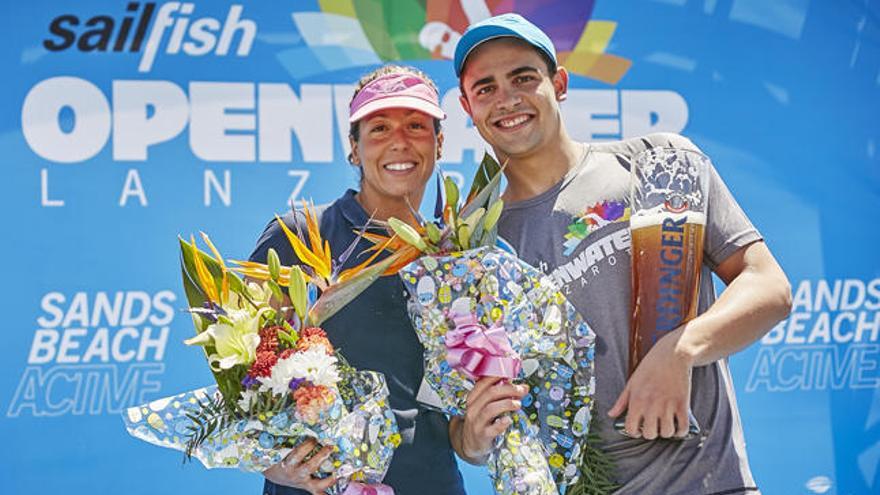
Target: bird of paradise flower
x=338, y=287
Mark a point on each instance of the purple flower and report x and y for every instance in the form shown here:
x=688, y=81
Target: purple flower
x=248, y=381
x=296, y=382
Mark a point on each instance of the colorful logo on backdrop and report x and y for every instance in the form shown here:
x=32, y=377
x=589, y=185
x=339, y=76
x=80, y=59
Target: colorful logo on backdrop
x=593, y=218
x=350, y=33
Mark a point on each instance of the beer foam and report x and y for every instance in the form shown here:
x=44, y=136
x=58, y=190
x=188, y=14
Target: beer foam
x=656, y=216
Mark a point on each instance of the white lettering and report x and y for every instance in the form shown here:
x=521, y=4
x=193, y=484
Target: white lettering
x=803, y=297
x=129, y=318
x=145, y=113
x=233, y=24
x=853, y=295
x=78, y=311
x=795, y=326
x=44, y=191
x=161, y=304
x=208, y=135
x=645, y=112
x=133, y=187
x=49, y=305
x=162, y=22
x=592, y=115
x=224, y=191
x=310, y=117
x=40, y=119
x=826, y=297
x=303, y=177
x=157, y=344
x=116, y=347
x=43, y=346
x=99, y=346
x=69, y=344
x=202, y=31
x=873, y=291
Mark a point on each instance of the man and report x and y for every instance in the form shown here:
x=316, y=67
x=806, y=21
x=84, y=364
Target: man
x=511, y=88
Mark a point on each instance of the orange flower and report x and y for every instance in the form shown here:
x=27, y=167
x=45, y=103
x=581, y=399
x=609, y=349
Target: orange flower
x=312, y=400
x=311, y=337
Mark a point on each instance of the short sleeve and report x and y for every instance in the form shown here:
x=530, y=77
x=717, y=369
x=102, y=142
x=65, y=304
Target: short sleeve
x=727, y=226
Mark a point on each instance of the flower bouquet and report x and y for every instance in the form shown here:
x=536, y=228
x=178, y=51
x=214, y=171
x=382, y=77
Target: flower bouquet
x=278, y=378
x=480, y=311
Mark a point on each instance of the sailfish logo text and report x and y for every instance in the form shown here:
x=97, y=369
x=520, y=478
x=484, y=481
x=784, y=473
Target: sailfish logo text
x=194, y=37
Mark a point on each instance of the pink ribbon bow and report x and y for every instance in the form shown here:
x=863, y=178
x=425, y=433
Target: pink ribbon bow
x=355, y=488
x=477, y=352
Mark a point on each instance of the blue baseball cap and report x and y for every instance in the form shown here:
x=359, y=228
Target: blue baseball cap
x=501, y=26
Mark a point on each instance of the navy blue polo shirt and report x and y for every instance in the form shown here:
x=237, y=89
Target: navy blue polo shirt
x=374, y=333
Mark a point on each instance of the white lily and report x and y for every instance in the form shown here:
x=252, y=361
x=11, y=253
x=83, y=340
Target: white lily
x=235, y=338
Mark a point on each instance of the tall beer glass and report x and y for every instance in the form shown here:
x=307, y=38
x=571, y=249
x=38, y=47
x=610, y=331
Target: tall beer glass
x=668, y=200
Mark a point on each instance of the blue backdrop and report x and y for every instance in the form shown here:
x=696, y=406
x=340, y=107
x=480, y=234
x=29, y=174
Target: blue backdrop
x=126, y=124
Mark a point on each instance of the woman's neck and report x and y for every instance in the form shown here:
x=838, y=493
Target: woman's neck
x=384, y=207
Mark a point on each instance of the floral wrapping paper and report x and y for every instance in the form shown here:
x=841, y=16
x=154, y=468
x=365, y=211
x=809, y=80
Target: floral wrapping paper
x=363, y=430
x=540, y=452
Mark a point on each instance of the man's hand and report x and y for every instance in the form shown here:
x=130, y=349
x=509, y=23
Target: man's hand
x=488, y=404
x=657, y=396
x=295, y=473
x=757, y=296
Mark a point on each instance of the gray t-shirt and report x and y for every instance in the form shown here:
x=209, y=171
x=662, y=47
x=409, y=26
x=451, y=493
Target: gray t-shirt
x=578, y=233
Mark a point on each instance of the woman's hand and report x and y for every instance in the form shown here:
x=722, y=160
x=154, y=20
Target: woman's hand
x=488, y=406
x=295, y=473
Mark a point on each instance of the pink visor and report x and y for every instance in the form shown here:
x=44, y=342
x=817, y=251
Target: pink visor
x=395, y=91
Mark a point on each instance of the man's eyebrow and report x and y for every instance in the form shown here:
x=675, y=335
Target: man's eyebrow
x=514, y=72
x=520, y=70
x=485, y=80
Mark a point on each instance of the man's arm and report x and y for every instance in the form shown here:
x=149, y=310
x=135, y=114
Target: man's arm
x=758, y=295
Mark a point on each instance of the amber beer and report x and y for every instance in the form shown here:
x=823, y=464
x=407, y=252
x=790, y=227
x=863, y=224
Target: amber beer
x=667, y=256
x=667, y=222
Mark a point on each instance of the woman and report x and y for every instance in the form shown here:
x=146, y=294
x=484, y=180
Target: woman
x=395, y=141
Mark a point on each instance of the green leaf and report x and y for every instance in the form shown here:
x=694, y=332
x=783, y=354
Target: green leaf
x=464, y=237
x=274, y=264
x=596, y=467
x=451, y=192
x=407, y=233
x=337, y=296
x=298, y=291
x=433, y=232
x=229, y=381
x=194, y=294
x=276, y=290
x=487, y=169
x=474, y=218
x=493, y=214
x=481, y=198
x=289, y=336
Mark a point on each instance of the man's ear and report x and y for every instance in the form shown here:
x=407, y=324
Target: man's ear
x=560, y=83
x=439, y=145
x=465, y=104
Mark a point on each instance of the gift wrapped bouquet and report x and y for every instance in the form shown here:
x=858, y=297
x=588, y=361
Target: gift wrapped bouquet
x=480, y=311
x=278, y=378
